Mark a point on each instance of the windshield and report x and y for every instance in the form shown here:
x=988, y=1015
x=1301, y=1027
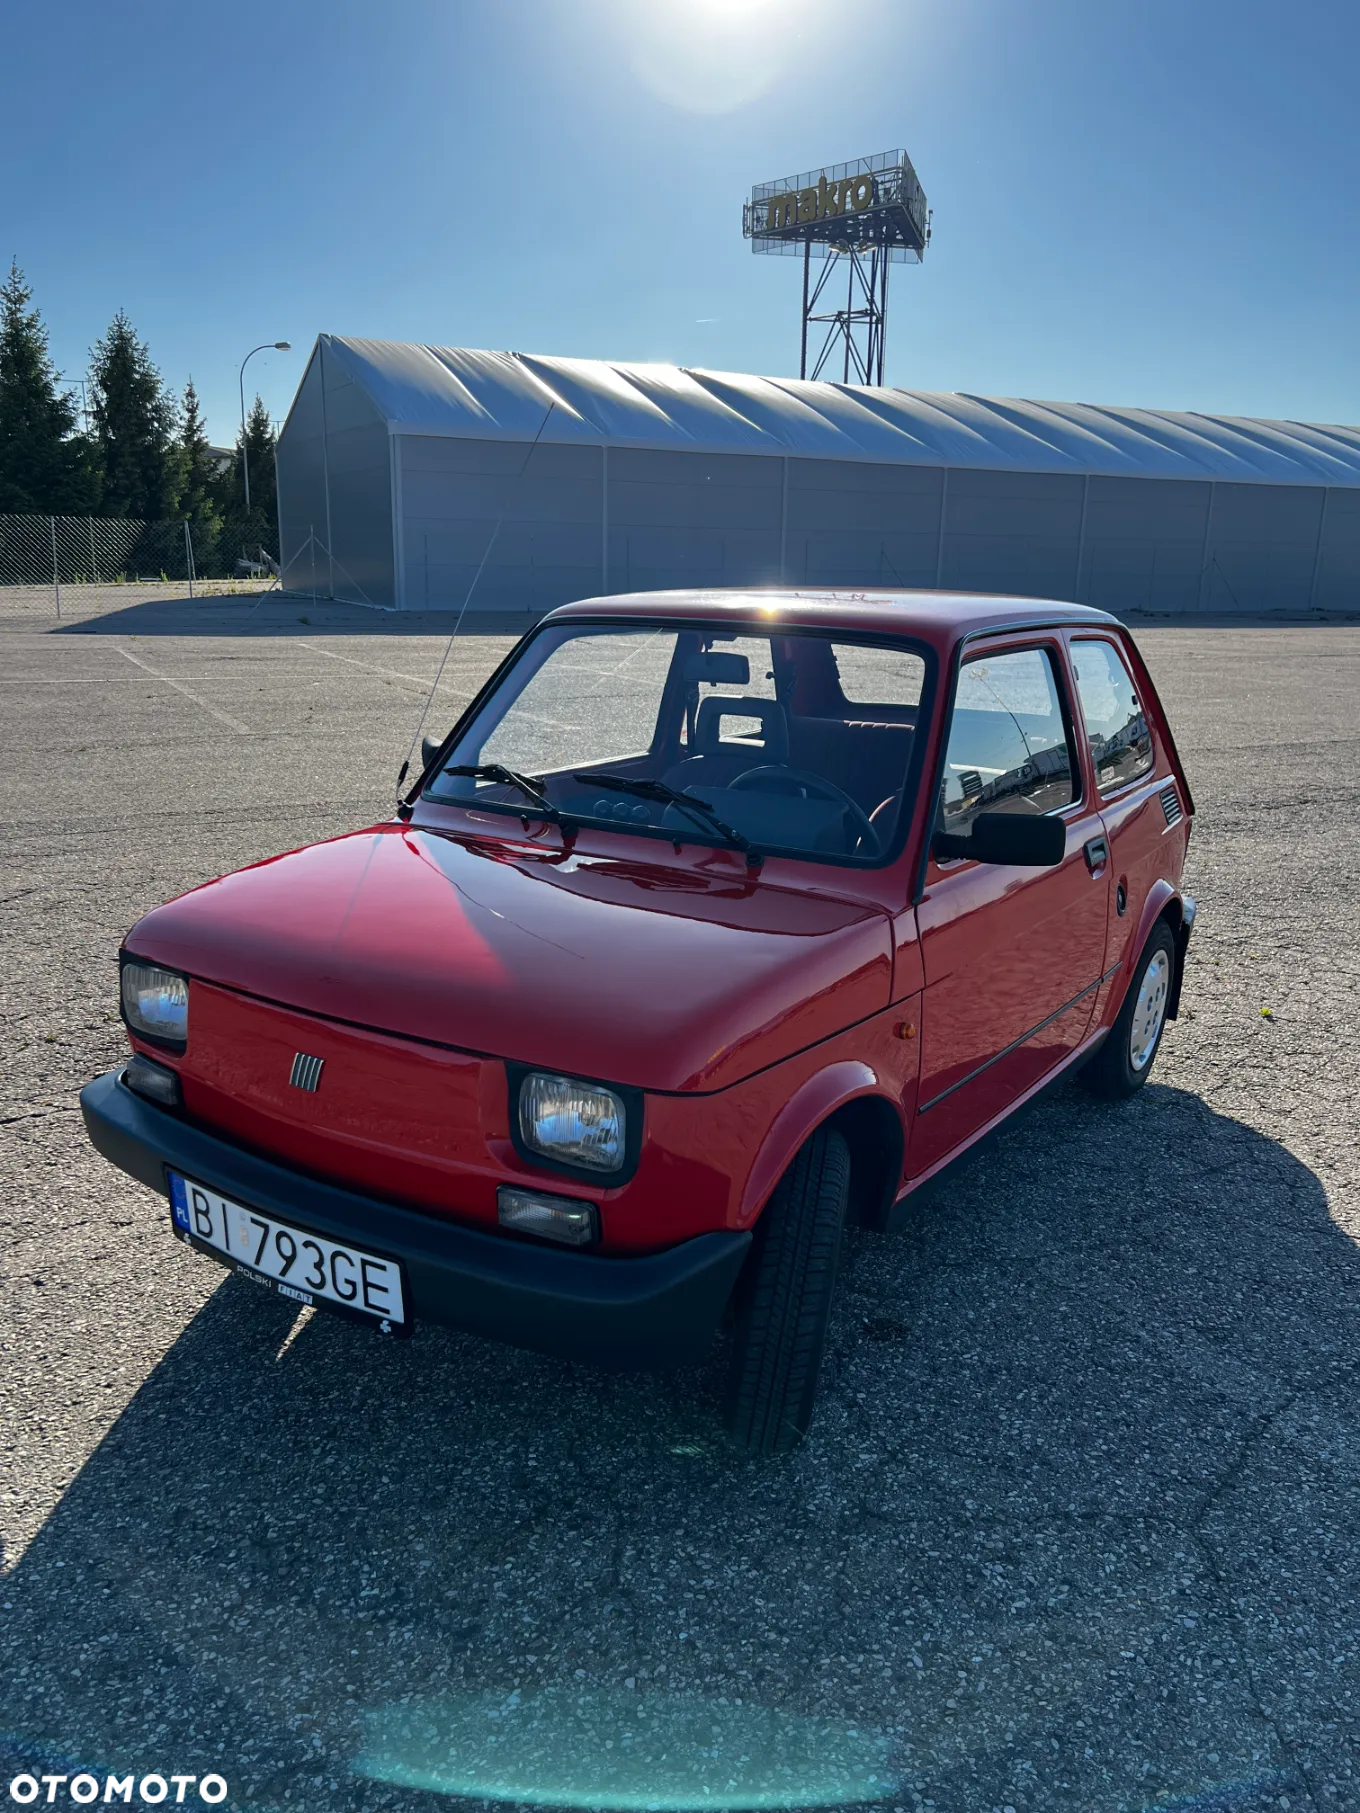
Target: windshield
x=797, y=744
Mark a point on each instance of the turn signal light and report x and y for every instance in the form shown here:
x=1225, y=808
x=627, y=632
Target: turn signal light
x=562, y=1218
x=156, y=1082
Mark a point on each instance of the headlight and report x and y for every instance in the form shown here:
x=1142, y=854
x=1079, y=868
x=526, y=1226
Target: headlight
x=573, y=1123
x=156, y=1002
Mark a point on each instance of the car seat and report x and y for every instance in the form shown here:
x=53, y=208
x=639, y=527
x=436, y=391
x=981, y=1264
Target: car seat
x=716, y=761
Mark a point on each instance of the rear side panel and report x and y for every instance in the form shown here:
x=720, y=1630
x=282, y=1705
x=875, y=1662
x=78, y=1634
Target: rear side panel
x=1145, y=849
x=1147, y=825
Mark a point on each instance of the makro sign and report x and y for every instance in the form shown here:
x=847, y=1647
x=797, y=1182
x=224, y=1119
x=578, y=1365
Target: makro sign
x=827, y=201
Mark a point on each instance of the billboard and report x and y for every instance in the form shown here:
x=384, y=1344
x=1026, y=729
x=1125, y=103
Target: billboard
x=873, y=204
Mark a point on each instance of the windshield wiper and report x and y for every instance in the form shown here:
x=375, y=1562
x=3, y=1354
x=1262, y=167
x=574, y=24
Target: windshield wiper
x=699, y=810
x=510, y=777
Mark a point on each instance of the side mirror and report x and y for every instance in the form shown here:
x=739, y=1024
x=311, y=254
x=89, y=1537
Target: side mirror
x=1007, y=837
x=429, y=748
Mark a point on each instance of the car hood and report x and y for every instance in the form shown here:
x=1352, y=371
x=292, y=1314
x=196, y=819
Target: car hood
x=668, y=978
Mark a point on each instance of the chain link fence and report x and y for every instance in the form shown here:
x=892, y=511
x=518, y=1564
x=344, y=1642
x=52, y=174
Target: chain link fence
x=61, y=553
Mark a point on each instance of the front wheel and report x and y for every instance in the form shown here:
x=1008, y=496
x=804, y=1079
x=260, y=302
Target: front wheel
x=786, y=1303
x=1123, y=1062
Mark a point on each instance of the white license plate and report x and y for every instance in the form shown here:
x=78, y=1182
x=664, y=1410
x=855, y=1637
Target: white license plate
x=298, y=1264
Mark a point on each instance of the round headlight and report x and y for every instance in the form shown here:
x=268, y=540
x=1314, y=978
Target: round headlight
x=156, y=1002
x=572, y=1123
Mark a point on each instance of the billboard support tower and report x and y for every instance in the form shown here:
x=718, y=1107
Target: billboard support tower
x=859, y=218
x=864, y=317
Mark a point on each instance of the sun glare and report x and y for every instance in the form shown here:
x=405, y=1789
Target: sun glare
x=712, y=56
x=734, y=10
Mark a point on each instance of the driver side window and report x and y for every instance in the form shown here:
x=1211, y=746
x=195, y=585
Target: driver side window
x=1009, y=749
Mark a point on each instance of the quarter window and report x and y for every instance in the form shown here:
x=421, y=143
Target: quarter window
x=1116, y=728
x=877, y=676
x=1008, y=745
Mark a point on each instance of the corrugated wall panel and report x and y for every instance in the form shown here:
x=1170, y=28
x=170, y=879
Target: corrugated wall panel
x=1012, y=532
x=852, y=523
x=359, y=475
x=547, y=500
x=680, y=519
x=1338, y=576
x=1262, y=546
x=300, y=459
x=1144, y=544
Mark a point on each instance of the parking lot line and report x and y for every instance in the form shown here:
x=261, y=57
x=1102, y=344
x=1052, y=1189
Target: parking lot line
x=179, y=686
x=390, y=673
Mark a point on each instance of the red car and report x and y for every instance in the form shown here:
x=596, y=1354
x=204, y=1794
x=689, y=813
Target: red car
x=718, y=919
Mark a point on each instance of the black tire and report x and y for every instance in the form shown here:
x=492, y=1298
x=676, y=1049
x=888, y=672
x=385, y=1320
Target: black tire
x=786, y=1300
x=1124, y=1062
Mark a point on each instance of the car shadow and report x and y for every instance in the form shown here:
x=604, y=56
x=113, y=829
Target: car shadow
x=283, y=614
x=1074, y=1529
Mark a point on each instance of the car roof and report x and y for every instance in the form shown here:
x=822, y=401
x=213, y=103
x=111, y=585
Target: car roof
x=939, y=617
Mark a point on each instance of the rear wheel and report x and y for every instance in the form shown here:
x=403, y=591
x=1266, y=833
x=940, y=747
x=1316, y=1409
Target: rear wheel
x=786, y=1304
x=1123, y=1062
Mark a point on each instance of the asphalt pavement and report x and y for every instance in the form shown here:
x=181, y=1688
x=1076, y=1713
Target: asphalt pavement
x=1078, y=1526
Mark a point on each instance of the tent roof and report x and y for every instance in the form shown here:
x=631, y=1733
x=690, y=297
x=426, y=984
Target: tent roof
x=453, y=391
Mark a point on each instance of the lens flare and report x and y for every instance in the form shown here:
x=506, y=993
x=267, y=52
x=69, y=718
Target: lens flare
x=626, y=1751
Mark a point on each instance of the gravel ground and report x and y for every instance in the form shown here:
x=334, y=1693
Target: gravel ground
x=1077, y=1526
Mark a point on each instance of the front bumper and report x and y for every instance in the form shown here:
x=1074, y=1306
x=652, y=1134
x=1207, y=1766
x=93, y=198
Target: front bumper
x=662, y=1309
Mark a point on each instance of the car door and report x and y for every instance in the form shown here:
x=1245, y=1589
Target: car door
x=1012, y=956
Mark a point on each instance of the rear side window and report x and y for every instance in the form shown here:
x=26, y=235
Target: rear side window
x=891, y=677
x=1008, y=745
x=1117, y=730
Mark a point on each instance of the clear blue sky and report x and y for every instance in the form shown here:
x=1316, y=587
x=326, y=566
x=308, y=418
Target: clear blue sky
x=1149, y=202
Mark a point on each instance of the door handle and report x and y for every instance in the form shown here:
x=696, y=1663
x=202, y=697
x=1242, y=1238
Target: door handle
x=1096, y=850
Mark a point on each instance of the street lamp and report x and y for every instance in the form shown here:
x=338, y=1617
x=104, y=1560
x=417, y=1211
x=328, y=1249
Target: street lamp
x=278, y=346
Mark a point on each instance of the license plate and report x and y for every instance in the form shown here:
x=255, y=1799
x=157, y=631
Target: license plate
x=296, y=1263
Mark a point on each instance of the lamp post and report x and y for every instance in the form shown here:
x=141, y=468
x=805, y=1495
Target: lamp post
x=278, y=346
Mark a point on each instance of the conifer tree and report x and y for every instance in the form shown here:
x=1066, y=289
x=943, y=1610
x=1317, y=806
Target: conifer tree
x=198, y=501
x=45, y=466
x=247, y=531
x=263, y=482
x=135, y=427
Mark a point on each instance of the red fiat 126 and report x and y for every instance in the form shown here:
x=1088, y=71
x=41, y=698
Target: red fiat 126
x=718, y=919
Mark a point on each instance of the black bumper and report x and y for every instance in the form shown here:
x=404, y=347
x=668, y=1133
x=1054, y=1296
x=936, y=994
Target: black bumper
x=1183, y=931
x=659, y=1310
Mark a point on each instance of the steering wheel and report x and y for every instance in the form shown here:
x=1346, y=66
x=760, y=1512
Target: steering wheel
x=774, y=778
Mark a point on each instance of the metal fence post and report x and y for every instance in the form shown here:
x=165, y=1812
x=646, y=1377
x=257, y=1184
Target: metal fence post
x=56, y=572
x=188, y=557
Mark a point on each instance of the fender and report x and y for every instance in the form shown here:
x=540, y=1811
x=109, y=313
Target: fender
x=815, y=1101
x=1160, y=895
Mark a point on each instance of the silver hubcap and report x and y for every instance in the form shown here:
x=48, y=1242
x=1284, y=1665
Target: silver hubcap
x=1149, y=1011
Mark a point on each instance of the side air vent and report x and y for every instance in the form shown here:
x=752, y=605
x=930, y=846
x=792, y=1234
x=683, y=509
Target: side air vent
x=306, y=1073
x=1171, y=804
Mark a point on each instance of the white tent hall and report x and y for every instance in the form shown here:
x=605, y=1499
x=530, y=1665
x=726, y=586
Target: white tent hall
x=424, y=477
